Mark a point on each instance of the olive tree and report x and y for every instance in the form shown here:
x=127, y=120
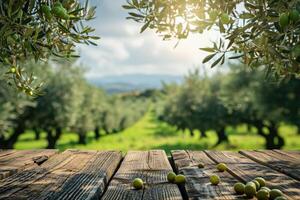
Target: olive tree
x=197, y=106
x=262, y=103
x=59, y=107
x=14, y=113
x=33, y=29
x=260, y=32
x=98, y=109
x=89, y=109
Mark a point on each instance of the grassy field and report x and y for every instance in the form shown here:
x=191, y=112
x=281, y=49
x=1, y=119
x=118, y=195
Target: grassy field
x=148, y=133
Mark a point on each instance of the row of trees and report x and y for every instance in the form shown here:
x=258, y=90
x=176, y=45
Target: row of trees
x=68, y=103
x=239, y=97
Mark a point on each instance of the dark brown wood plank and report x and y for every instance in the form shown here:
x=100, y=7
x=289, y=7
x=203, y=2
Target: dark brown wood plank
x=72, y=174
x=282, y=163
x=198, y=185
x=13, y=161
x=247, y=169
x=153, y=167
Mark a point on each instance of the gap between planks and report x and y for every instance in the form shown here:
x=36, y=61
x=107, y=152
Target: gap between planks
x=152, y=167
x=198, y=184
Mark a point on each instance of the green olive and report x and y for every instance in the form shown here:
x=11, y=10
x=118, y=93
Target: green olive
x=214, y=179
x=171, y=177
x=261, y=181
x=294, y=16
x=60, y=12
x=284, y=20
x=225, y=19
x=262, y=195
x=213, y=15
x=239, y=188
x=138, y=183
x=296, y=51
x=180, y=179
x=12, y=69
x=250, y=190
x=46, y=10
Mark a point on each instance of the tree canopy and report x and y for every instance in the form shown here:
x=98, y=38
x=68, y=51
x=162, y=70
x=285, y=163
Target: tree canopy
x=68, y=104
x=33, y=29
x=261, y=32
x=238, y=97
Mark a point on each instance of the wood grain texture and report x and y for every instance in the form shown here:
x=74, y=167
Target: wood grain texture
x=282, y=163
x=70, y=175
x=198, y=185
x=151, y=166
x=290, y=153
x=13, y=161
x=247, y=169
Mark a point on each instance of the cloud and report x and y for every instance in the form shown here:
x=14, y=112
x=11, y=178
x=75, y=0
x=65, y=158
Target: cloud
x=123, y=50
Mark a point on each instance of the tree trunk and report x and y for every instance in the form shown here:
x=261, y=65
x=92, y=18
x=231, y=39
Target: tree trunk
x=106, y=130
x=52, y=137
x=273, y=139
x=191, y=132
x=202, y=134
x=222, y=136
x=97, y=133
x=37, y=134
x=249, y=128
x=10, y=142
x=115, y=131
x=82, y=138
x=2, y=140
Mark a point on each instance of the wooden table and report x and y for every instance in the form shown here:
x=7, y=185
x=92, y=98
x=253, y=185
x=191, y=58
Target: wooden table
x=77, y=174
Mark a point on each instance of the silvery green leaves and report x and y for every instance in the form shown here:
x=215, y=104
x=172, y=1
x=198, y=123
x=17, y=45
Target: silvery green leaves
x=260, y=33
x=38, y=30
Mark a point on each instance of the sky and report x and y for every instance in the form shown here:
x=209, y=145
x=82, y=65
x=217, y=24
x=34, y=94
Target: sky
x=123, y=50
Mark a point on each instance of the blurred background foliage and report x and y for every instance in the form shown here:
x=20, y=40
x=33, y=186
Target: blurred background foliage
x=67, y=104
x=239, y=108
x=232, y=110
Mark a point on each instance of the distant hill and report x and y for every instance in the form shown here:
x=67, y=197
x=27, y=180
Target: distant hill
x=133, y=82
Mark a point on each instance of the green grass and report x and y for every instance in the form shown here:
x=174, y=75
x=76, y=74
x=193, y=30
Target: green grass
x=148, y=133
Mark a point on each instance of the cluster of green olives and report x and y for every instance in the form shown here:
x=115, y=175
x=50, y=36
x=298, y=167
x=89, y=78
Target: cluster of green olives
x=215, y=179
x=138, y=183
x=257, y=188
x=178, y=179
x=56, y=10
x=286, y=19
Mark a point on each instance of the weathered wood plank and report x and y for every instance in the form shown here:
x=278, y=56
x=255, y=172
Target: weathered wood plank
x=247, y=169
x=72, y=175
x=153, y=167
x=282, y=163
x=198, y=185
x=290, y=153
x=6, y=152
x=12, y=161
